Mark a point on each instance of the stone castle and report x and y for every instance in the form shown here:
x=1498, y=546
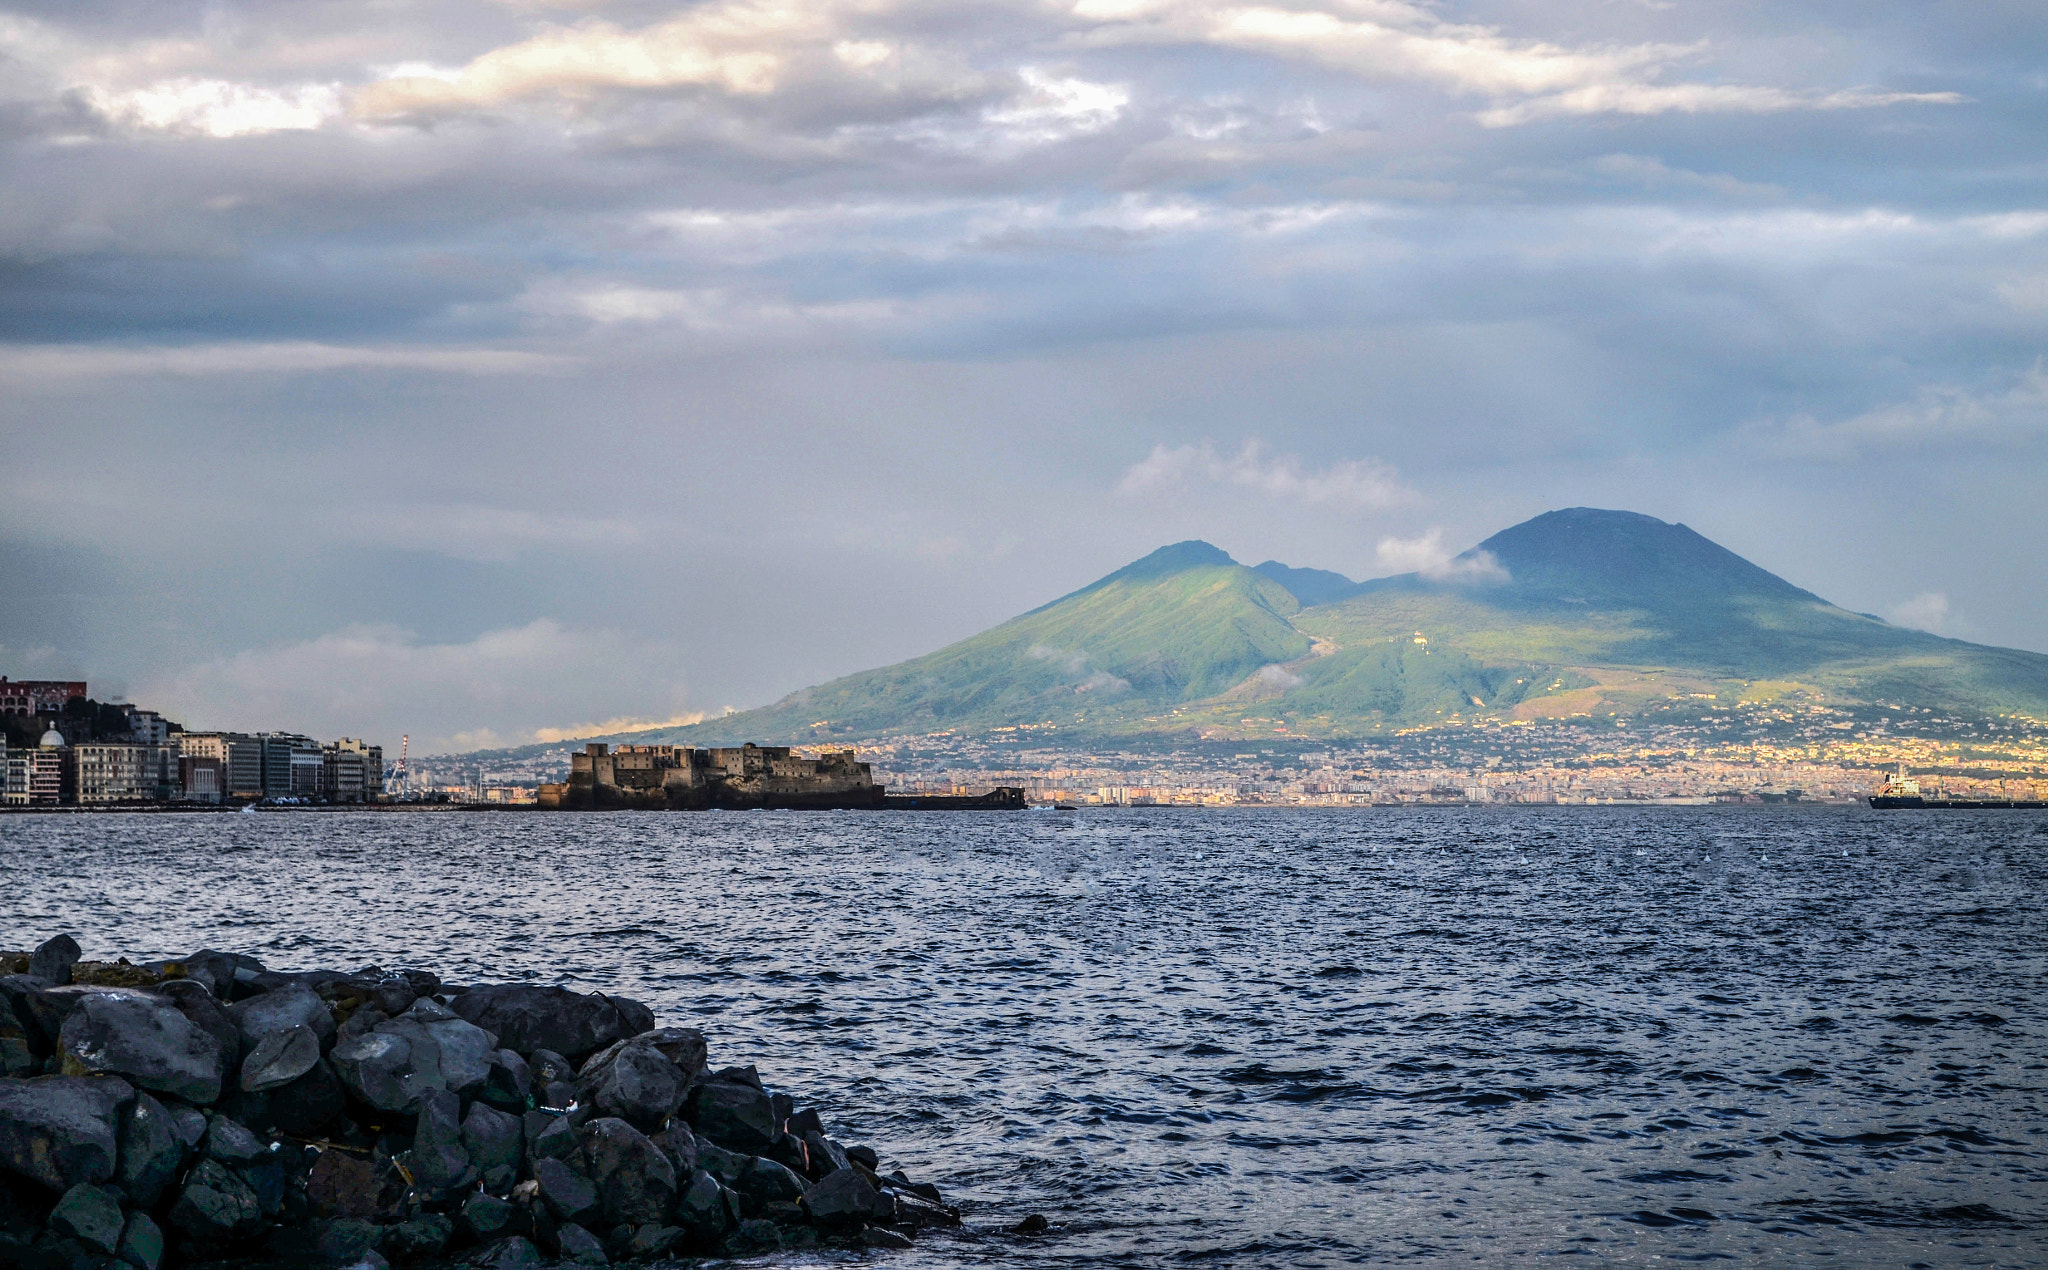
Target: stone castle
x=677, y=776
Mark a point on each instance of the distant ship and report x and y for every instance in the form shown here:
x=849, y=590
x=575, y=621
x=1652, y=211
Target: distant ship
x=1903, y=792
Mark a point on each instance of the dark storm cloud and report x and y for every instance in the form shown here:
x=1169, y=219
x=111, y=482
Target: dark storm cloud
x=694, y=353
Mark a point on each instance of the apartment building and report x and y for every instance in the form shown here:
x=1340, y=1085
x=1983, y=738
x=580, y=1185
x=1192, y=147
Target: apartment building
x=240, y=758
x=115, y=772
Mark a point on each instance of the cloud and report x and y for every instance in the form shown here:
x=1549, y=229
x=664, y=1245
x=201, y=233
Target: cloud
x=1929, y=611
x=1277, y=676
x=1052, y=108
x=622, y=723
x=218, y=107
x=1367, y=484
x=1073, y=662
x=1529, y=79
x=1103, y=683
x=369, y=680
x=2012, y=411
x=1070, y=660
x=96, y=361
x=1428, y=556
x=735, y=47
x=1693, y=99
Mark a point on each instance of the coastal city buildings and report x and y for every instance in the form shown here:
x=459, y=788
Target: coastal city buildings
x=1703, y=752
x=123, y=755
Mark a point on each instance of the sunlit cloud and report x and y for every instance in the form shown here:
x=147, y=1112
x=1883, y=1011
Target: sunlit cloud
x=1428, y=556
x=220, y=108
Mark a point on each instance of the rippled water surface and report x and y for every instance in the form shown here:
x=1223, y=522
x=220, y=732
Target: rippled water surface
x=1246, y=1038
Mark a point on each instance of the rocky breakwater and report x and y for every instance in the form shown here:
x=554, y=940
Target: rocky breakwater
x=212, y=1109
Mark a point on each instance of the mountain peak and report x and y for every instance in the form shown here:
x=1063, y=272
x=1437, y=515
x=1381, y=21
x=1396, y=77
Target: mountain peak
x=1596, y=556
x=1179, y=557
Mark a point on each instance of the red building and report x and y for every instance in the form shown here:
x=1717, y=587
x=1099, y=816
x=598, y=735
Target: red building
x=37, y=696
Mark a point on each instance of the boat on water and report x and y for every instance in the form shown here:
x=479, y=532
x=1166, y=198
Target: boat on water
x=1902, y=792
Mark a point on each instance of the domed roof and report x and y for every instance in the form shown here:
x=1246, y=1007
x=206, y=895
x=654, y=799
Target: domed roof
x=53, y=739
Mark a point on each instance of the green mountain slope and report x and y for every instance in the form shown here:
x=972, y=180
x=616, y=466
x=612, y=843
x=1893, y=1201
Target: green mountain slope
x=1574, y=612
x=1183, y=624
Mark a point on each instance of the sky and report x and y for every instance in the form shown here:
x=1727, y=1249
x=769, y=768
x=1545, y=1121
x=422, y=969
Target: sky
x=488, y=372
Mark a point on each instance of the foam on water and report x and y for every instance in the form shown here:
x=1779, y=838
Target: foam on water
x=1246, y=1038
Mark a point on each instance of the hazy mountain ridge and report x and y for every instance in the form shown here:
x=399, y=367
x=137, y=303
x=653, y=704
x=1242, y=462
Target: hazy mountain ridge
x=1573, y=612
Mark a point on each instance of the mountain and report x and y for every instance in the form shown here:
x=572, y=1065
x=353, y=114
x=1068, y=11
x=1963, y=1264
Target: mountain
x=1183, y=624
x=1577, y=611
x=1310, y=586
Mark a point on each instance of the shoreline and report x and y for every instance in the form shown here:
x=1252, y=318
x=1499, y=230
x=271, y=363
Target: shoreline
x=211, y=1109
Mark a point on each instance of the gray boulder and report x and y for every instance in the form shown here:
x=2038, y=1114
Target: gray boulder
x=634, y=1018
x=555, y=1140
x=152, y=1149
x=142, y=1243
x=701, y=1209
x=280, y=1058
x=423, y=1236
x=397, y=1063
x=144, y=1039
x=61, y=1130
x=310, y=1103
x=91, y=1215
x=917, y=1208
x=763, y=1182
x=20, y=997
x=579, y=1247
x=510, y=1083
x=753, y=1237
x=495, y=1142
x=266, y=1179
x=513, y=1253
x=683, y=1046
x=336, y=1242
x=21, y=1045
x=824, y=1156
x=651, y=1241
x=440, y=1163
x=549, y=1067
x=680, y=1146
x=191, y=1123
x=634, y=1081
x=231, y=1142
x=848, y=1197
x=486, y=1217
x=223, y=972
x=737, y=1116
x=279, y=1010
x=569, y=1195
x=636, y=1182
x=529, y=1017
x=215, y=1206
x=360, y=1023
x=53, y=959
x=394, y=995
x=720, y=1163
x=204, y=1011
x=41, y=1007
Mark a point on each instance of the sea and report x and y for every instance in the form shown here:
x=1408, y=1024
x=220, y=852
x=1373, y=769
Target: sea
x=1435, y=1036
